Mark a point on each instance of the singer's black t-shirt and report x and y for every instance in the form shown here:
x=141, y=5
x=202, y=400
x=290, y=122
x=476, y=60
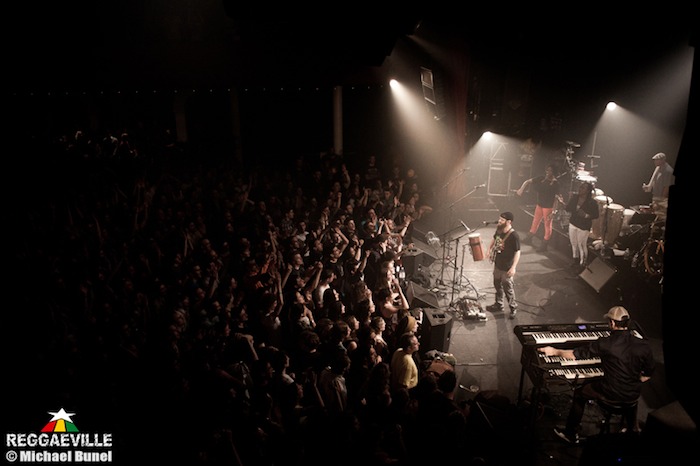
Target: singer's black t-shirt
x=504, y=259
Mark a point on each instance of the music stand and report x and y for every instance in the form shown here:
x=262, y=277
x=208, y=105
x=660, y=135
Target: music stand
x=450, y=230
x=445, y=240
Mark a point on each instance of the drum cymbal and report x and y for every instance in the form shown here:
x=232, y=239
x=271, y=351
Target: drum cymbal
x=573, y=144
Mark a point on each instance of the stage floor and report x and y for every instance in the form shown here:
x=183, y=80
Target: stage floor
x=484, y=345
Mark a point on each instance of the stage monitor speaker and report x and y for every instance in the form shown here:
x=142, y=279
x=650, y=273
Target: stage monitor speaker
x=429, y=251
x=435, y=330
x=417, y=231
x=598, y=274
x=417, y=296
x=415, y=259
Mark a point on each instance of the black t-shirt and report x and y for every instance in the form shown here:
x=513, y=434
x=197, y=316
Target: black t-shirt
x=503, y=260
x=546, y=191
x=624, y=358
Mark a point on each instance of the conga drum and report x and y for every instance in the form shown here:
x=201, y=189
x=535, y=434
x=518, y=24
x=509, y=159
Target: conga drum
x=597, y=223
x=475, y=245
x=598, y=192
x=614, y=215
x=626, y=217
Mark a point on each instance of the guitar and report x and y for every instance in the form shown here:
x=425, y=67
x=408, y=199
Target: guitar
x=498, y=246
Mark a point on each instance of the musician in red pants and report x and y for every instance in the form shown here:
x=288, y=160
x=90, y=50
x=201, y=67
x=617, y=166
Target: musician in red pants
x=548, y=197
x=626, y=360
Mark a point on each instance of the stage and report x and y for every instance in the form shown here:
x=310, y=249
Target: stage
x=451, y=284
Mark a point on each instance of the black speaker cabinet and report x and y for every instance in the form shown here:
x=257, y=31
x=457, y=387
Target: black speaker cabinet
x=415, y=259
x=417, y=231
x=598, y=274
x=417, y=296
x=435, y=330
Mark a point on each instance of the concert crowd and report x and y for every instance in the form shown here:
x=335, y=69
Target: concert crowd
x=245, y=313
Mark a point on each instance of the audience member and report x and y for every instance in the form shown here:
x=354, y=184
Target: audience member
x=404, y=370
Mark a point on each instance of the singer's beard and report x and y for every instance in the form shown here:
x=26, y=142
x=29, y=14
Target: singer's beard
x=499, y=228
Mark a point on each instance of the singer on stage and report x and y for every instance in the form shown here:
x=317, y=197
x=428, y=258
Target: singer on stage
x=583, y=209
x=504, y=252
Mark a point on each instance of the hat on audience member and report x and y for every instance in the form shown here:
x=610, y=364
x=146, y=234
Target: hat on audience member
x=617, y=313
x=406, y=324
x=659, y=156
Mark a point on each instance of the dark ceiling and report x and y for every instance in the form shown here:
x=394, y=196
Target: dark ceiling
x=183, y=43
x=215, y=43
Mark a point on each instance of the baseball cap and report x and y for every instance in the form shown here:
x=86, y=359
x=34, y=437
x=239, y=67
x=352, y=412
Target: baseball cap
x=617, y=313
x=507, y=215
x=658, y=156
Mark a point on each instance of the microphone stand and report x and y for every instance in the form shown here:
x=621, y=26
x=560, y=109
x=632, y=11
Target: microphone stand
x=571, y=165
x=604, y=220
x=449, y=223
x=444, y=247
x=454, y=274
x=465, y=196
x=455, y=178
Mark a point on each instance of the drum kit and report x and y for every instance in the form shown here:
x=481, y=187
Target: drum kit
x=578, y=170
x=613, y=219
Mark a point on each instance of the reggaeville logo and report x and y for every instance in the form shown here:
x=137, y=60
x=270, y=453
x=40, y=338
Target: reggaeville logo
x=60, y=422
x=59, y=441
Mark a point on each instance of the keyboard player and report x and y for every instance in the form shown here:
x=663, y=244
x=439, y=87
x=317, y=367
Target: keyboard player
x=626, y=360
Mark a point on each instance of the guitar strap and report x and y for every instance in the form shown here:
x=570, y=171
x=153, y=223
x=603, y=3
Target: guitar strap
x=503, y=242
x=507, y=235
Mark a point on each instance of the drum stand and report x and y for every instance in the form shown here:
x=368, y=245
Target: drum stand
x=570, y=165
x=457, y=284
x=445, y=242
x=461, y=270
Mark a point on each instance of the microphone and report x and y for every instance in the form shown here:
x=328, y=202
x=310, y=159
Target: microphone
x=480, y=186
x=471, y=388
x=489, y=223
x=465, y=225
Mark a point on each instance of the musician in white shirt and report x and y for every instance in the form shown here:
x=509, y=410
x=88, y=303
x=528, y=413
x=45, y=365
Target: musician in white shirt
x=661, y=179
